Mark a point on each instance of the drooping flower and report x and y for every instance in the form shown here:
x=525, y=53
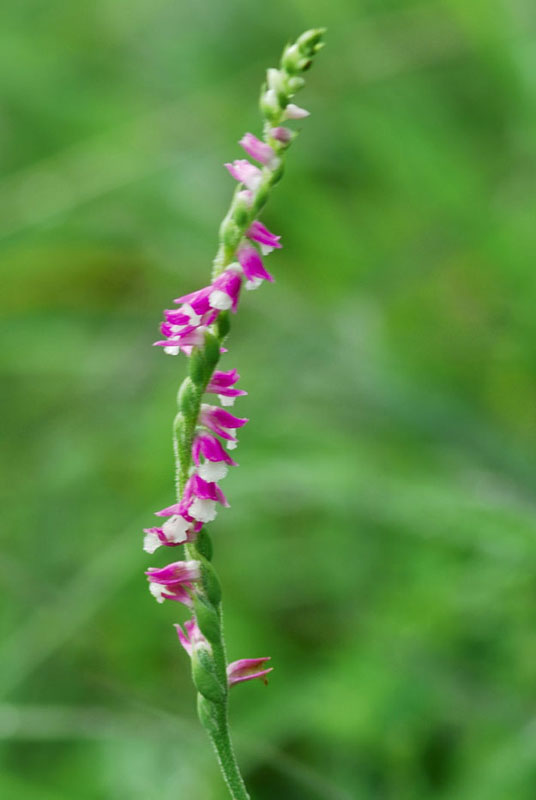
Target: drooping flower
x=220, y=421
x=251, y=263
x=282, y=134
x=214, y=468
x=197, y=300
x=200, y=497
x=191, y=637
x=177, y=529
x=260, y=233
x=226, y=289
x=293, y=111
x=174, y=581
x=247, y=669
x=181, y=340
x=184, y=316
x=221, y=384
x=259, y=150
x=245, y=172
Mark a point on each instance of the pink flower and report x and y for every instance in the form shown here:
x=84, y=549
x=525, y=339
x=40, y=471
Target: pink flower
x=260, y=233
x=177, y=529
x=181, y=340
x=295, y=112
x=191, y=638
x=185, y=316
x=282, y=134
x=216, y=461
x=173, y=532
x=245, y=172
x=198, y=300
x=226, y=290
x=174, y=581
x=251, y=263
x=221, y=384
x=220, y=421
x=200, y=497
x=247, y=669
x=259, y=150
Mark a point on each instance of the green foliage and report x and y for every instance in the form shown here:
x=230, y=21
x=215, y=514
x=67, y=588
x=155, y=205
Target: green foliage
x=386, y=487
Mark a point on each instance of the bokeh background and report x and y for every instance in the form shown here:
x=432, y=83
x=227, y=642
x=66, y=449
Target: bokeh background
x=381, y=541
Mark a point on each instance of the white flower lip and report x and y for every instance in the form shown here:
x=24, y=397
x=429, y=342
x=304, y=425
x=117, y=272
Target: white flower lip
x=157, y=590
x=203, y=510
x=220, y=300
x=176, y=529
x=212, y=471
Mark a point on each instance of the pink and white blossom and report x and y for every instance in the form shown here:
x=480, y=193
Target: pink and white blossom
x=220, y=421
x=245, y=172
x=247, y=669
x=282, y=134
x=293, y=111
x=216, y=460
x=200, y=497
x=197, y=300
x=181, y=340
x=259, y=150
x=221, y=383
x=176, y=530
x=184, y=316
x=251, y=263
x=260, y=233
x=191, y=637
x=174, y=582
x=226, y=289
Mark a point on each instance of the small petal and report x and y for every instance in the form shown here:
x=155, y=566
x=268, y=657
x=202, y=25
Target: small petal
x=151, y=541
x=176, y=529
x=198, y=301
x=191, y=638
x=192, y=338
x=259, y=150
x=260, y=233
x=206, y=445
x=226, y=289
x=245, y=172
x=203, y=510
x=221, y=383
x=220, y=421
x=247, y=669
x=212, y=471
x=174, y=581
x=293, y=111
x=282, y=134
x=251, y=263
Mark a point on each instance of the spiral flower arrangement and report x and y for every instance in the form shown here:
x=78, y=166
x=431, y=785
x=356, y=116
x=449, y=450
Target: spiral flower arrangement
x=198, y=327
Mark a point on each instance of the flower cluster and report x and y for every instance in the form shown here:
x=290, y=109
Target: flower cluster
x=184, y=329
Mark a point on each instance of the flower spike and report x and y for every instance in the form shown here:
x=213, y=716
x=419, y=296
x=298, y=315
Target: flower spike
x=198, y=328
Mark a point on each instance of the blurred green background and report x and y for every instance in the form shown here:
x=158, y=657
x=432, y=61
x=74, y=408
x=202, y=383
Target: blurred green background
x=381, y=543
